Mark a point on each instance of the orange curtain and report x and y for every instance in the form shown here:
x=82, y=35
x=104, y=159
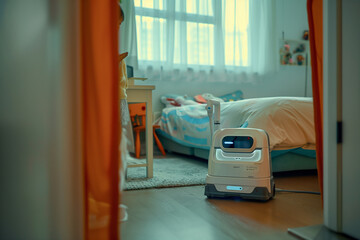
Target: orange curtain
x=315, y=17
x=100, y=106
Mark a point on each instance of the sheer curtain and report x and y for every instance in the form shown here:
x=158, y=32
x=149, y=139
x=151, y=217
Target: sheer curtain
x=127, y=33
x=205, y=40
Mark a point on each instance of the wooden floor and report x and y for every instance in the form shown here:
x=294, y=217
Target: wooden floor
x=185, y=213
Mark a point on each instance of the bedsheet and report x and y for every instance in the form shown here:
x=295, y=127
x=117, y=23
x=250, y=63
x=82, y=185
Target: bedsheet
x=289, y=121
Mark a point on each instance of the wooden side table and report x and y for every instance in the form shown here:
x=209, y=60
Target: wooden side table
x=139, y=94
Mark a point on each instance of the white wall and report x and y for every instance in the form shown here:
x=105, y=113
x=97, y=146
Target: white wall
x=40, y=165
x=291, y=17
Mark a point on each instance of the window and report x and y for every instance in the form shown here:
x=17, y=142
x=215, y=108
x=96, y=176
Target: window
x=193, y=32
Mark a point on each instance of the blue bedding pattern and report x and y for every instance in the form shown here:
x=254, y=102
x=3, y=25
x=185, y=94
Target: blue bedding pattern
x=190, y=124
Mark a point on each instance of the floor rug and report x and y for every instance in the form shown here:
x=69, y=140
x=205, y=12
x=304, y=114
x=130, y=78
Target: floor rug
x=170, y=171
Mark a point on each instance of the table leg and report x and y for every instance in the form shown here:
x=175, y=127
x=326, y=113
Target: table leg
x=149, y=141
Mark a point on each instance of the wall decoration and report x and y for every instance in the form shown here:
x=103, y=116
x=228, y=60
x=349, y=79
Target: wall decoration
x=293, y=52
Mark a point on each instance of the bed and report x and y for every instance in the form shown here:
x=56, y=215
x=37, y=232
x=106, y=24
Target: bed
x=287, y=120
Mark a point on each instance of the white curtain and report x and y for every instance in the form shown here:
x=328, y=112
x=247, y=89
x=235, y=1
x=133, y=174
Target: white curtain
x=205, y=40
x=127, y=38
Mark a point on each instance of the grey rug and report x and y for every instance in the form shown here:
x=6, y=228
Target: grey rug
x=169, y=171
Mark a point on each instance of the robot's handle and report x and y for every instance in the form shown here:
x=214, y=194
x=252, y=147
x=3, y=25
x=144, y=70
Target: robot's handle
x=210, y=110
x=211, y=106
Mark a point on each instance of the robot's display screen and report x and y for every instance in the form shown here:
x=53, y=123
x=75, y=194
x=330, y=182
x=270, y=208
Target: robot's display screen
x=237, y=142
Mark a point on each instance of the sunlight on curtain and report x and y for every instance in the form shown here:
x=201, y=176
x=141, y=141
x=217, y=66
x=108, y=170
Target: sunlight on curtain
x=205, y=39
x=236, y=22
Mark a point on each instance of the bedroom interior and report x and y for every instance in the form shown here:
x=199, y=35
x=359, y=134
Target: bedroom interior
x=176, y=107
x=183, y=128
x=64, y=158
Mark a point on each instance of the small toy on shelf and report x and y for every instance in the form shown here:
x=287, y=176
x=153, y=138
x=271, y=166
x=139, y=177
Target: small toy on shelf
x=300, y=48
x=285, y=54
x=287, y=47
x=288, y=58
x=300, y=59
x=306, y=35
